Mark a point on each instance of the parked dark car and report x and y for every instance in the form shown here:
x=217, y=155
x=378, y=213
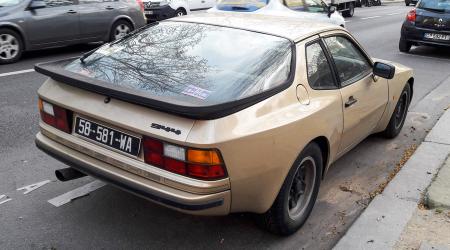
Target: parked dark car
x=408, y=2
x=427, y=24
x=36, y=24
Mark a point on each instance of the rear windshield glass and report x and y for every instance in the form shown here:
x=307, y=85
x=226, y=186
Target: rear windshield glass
x=192, y=64
x=241, y=5
x=7, y=3
x=437, y=5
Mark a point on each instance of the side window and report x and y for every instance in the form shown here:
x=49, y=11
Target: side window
x=58, y=3
x=351, y=64
x=320, y=75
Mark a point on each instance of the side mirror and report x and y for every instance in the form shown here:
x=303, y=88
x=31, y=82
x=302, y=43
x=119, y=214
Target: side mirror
x=331, y=10
x=384, y=70
x=37, y=4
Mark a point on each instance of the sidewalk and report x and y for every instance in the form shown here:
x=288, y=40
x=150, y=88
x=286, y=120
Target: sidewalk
x=411, y=214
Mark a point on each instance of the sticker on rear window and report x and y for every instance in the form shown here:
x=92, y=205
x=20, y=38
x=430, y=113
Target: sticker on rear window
x=196, y=92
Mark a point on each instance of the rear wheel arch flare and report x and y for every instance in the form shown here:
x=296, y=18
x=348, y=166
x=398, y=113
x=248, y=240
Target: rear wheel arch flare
x=324, y=145
x=411, y=85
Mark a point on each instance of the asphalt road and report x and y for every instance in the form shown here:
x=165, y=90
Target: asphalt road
x=109, y=218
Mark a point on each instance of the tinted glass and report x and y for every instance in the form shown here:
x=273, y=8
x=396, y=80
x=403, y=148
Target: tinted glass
x=57, y=3
x=438, y=5
x=241, y=5
x=306, y=5
x=7, y=3
x=319, y=71
x=194, y=64
x=351, y=64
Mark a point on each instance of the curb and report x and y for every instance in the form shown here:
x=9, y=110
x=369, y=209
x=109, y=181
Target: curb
x=383, y=221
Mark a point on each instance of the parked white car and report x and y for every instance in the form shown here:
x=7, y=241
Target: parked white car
x=309, y=9
x=163, y=9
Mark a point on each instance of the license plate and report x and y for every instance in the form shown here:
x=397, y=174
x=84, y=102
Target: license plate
x=437, y=36
x=148, y=12
x=107, y=136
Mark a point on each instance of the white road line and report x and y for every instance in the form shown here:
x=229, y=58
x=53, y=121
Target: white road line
x=395, y=13
x=16, y=72
x=33, y=187
x=76, y=193
x=4, y=197
x=370, y=17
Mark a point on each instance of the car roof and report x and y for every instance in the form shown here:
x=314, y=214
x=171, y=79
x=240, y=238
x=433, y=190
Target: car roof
x=292, y=28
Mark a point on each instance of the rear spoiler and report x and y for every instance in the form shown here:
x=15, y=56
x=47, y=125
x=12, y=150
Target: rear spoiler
x=56, y=71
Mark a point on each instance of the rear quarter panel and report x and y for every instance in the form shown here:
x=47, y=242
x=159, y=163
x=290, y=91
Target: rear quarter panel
x=260, y=144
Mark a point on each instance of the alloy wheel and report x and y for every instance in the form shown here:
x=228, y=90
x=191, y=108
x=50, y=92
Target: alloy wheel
x=402, y=107
x=301, y=189
x=9, y=47
x=121, y=31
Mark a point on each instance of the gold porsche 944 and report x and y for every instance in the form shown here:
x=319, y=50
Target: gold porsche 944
x=213, y=114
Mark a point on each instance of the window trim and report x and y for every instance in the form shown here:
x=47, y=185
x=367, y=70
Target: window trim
x=357, y=46
x=335, y=80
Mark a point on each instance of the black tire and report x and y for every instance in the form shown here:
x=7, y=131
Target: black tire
x=404, y=45
x=119, y=24
x=399, y=115
x=180, y=12
x=407, y=2
x=17, y=42
x=350, y=11
x=278, y=219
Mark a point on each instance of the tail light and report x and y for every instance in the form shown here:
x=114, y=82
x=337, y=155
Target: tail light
x=411, y=16
x=55, y=116
x=141, y=5
x=204, y=164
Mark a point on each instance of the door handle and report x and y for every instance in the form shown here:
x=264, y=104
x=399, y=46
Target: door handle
x=109, y=8
x=71, y=12
x=350, y=101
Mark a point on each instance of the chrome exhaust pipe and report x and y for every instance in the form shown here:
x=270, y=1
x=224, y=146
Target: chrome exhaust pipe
x=67, y=174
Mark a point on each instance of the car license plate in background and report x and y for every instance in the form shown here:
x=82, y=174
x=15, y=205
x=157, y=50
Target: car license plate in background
x=148, y=12
x=437, y=36
x=107, y=136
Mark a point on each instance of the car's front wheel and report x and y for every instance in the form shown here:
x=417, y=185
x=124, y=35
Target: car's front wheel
x=180, y=12
x=298, y=194
x=350, y=12
x=399, y=116
x=11, y=46
x=120, y=29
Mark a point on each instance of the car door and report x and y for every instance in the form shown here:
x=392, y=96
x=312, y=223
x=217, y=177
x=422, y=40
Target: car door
x=56, y=24
x=364, y=96
x=198, y=4
x=96, y=17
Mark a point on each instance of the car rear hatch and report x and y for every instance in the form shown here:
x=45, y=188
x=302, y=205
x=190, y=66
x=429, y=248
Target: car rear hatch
x=433, y=14
x=439, y=21
x=196, y=71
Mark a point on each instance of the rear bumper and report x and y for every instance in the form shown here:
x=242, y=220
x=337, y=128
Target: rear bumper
x=416, y=35
x=200, y=204
x=160, y=13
